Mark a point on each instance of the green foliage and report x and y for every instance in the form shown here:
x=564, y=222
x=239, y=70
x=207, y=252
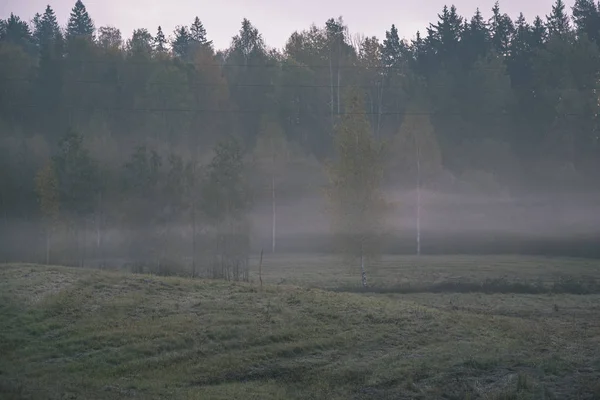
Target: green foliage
x=80, y=23
x=181, y=42
x=510, y=99
x=225, y=194
x=46, y=185
x=77, y=175
x=198, y=34
x=355, y=181
x=415, y=153
x=160, y=42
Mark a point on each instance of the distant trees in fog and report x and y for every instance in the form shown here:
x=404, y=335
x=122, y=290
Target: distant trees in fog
x=98, y=131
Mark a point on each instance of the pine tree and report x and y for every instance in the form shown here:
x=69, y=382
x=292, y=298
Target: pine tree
x=558, y=21
x=80, y=23
x=160, y=42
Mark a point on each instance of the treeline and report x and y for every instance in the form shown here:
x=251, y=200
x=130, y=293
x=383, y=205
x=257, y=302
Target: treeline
x=154, y=131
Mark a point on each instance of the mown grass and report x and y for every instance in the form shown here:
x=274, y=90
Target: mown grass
x=72, y=333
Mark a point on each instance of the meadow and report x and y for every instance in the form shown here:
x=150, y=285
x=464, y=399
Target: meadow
x=430, y=327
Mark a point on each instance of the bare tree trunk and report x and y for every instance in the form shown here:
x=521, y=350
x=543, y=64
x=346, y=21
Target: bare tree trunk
x=193, y=240
x=338, y=89
x=99, y=232
x=260, y=269
x=418, y=200
x=331, y=82
x=83, y=250
x=363, y=273
x=338, y=76
x=274, y=219
x=47, y=245
x=380, y=108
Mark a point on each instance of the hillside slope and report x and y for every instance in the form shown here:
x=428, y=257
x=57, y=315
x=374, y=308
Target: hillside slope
x=70, y=333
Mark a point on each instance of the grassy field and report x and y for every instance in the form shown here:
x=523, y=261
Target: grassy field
x=77, y=333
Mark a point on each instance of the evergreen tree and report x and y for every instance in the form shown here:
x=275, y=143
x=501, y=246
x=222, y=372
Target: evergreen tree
x=475, y=38
x=502, y=28
x=519, y=61
x=558, y=21
x=46, y=29
x=16, y=31
x=444, y=36
x=160, y=42
x=539, y=33
x=393, y=51
x=181, y=42
x=586, y=17
x=198, y=34
x=80, y=23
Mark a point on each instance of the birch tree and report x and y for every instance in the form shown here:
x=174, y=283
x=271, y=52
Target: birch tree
x=46, y=184
x=271, y=154
x=417, y=152
x=355, y=184
x=225, y=204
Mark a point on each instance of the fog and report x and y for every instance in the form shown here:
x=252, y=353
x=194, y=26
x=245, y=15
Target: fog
x=161, y=149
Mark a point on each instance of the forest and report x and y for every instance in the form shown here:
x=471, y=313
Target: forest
x=162, y=149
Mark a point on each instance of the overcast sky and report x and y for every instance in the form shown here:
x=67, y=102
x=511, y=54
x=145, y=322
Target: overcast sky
x=275, y=19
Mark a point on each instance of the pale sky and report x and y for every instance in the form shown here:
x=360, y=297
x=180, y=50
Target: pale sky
x=275, y=19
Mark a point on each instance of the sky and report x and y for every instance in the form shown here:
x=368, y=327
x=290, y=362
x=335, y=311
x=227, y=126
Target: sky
x=275, y=19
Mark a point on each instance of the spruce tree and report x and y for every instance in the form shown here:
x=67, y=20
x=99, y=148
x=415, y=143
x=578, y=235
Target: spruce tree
x=46, y=28
x=181, y=42
x=80, y=23
x=539, y=34
x=160, y=42
x=393, y=49
x=198, y=33
x=558, y=21
x=16, y=31
x=476, y=38
x=502, y=28
x=586, y=17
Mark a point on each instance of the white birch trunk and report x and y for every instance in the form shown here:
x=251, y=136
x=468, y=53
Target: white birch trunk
x=363, y=273
x=418, y=200
x=331, y=82
x=274, y=217
x=47, y=245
